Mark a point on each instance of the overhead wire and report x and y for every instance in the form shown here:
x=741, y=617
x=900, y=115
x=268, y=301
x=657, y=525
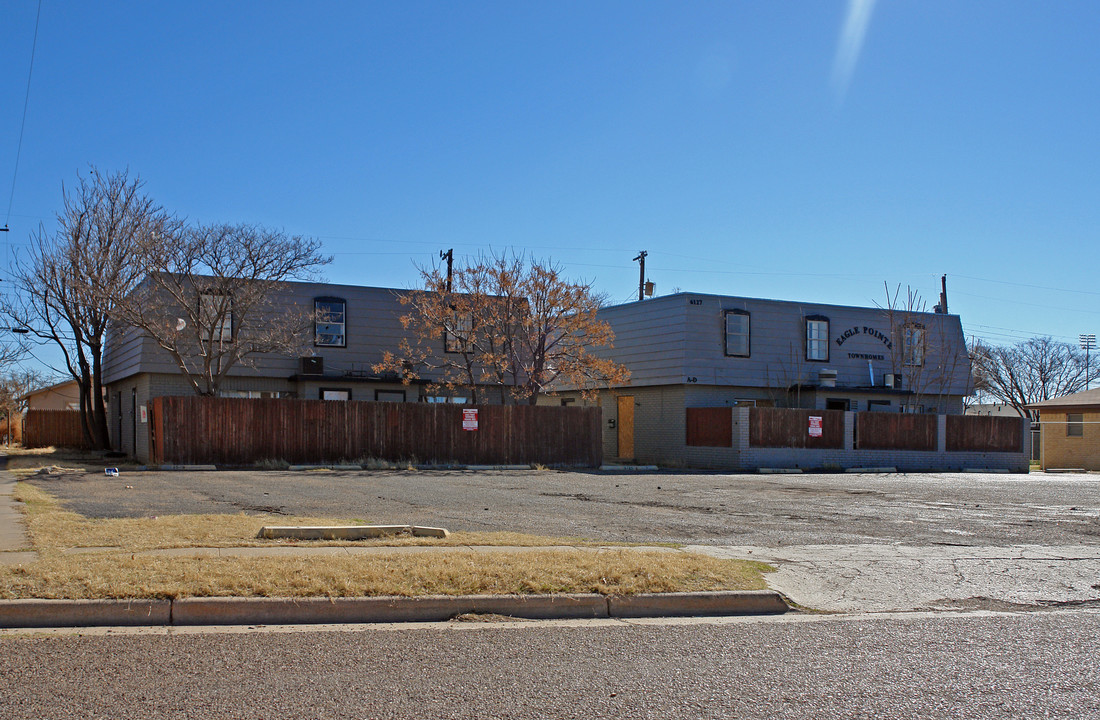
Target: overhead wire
x=23, y=123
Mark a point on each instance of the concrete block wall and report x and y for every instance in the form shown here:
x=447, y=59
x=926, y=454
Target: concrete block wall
x=750, y=458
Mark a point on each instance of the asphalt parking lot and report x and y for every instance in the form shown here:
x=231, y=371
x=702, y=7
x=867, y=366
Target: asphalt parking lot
x=952, y=509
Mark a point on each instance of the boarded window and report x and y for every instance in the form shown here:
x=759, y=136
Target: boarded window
x=710, y=427
x=1075, y=425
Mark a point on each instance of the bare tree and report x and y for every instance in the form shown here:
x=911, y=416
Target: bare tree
x=66, y=280
x=210, y=297
x=921, y=348
x=509, y=323
x=1028, y=372
x=15, y=384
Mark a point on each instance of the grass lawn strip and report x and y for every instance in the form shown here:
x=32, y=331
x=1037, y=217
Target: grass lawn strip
x=122, y=573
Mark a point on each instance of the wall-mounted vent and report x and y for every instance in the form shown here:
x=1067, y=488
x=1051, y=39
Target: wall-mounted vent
x=892, y=380
x=826, y=377
x=311, y=365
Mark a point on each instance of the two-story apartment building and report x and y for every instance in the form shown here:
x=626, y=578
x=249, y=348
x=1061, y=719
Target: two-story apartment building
x=692, y=350
x=353, y=327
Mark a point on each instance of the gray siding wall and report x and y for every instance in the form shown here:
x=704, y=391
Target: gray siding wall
x=373, y=326
x=681, y=339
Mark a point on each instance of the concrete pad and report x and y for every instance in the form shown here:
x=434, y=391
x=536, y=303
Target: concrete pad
x=348, y=532
x=81, y=613
x=280, y=611
x=747, y=602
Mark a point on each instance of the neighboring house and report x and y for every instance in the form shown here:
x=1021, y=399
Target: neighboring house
x=993, y=410
x=62, y=396
x=691, y=350
x=356, y=325
x=1070, y=431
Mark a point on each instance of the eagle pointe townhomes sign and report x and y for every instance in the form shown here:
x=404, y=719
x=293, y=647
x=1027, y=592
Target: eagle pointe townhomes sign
x=869, y=331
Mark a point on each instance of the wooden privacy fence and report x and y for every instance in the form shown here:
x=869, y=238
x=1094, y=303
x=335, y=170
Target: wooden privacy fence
x=984, y=433
x=709, y=427
x=232, y=431
x=791, y=428
x=895, y=431
x=60, y=428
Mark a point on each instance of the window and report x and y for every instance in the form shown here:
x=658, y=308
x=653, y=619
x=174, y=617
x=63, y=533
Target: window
x=457, y=333
x=1075, y=425
x=216, y=316
x=329, y=322
x=913, y=344
x=335, y=394
x=445, y=399
x=389, y=396
x=253, y=394
x=817, y=338
x=737, y=333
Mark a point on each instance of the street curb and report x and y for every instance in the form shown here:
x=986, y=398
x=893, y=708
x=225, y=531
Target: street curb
x=431, y=608
x=83, y=613
x=747, y=602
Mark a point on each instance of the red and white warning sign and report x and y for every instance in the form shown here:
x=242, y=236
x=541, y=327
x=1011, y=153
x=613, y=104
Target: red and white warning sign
x=815, y=426
x=469, y=419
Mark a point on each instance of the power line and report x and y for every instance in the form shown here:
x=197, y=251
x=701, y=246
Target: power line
x=23, y=124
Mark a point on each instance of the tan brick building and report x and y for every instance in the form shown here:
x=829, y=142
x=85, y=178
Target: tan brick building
x=1070, y=435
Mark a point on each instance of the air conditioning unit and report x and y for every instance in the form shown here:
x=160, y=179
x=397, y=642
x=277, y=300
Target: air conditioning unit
x=892, y=380
x=311, y=365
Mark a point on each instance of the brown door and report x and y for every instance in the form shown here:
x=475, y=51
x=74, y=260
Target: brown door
x=626, y=426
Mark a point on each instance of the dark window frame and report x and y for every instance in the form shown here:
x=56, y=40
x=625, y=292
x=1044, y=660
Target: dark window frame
x=220, y=337
x=906, y=347
x=344, y=334
x=459, y=342
x=806, y=336
x=404, y=397
x=748, y=333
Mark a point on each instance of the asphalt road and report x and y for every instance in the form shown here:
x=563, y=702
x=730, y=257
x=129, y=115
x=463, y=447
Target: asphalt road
x=925, y=509
x=1024, y=665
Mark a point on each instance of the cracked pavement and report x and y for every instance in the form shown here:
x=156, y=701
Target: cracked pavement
x=841, y=542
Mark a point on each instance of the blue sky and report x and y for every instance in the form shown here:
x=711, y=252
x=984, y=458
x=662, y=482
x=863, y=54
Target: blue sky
x=751, y=148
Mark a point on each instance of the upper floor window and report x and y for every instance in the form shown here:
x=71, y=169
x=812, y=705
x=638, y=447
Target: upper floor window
x=817, y=338
x=737, y=333
x=216, y=316
x=457, y=332
x=329, y=322
x=913, y=344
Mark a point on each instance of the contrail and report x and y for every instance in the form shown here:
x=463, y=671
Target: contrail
x=850, y=44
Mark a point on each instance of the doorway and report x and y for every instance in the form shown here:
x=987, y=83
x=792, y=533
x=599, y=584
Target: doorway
x=626, y=426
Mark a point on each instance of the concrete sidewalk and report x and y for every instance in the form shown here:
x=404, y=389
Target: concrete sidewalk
x=13, y=536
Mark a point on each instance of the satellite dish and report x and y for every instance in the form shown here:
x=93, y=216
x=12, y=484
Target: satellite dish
x=180, y=324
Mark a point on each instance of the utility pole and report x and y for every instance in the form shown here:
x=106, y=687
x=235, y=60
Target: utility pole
x=641, y=273
x=1088, y=342
x=449, y=256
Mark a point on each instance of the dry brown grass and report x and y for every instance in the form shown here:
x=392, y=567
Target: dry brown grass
x=454, y=572
x=25, y=461
x=124, y=573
